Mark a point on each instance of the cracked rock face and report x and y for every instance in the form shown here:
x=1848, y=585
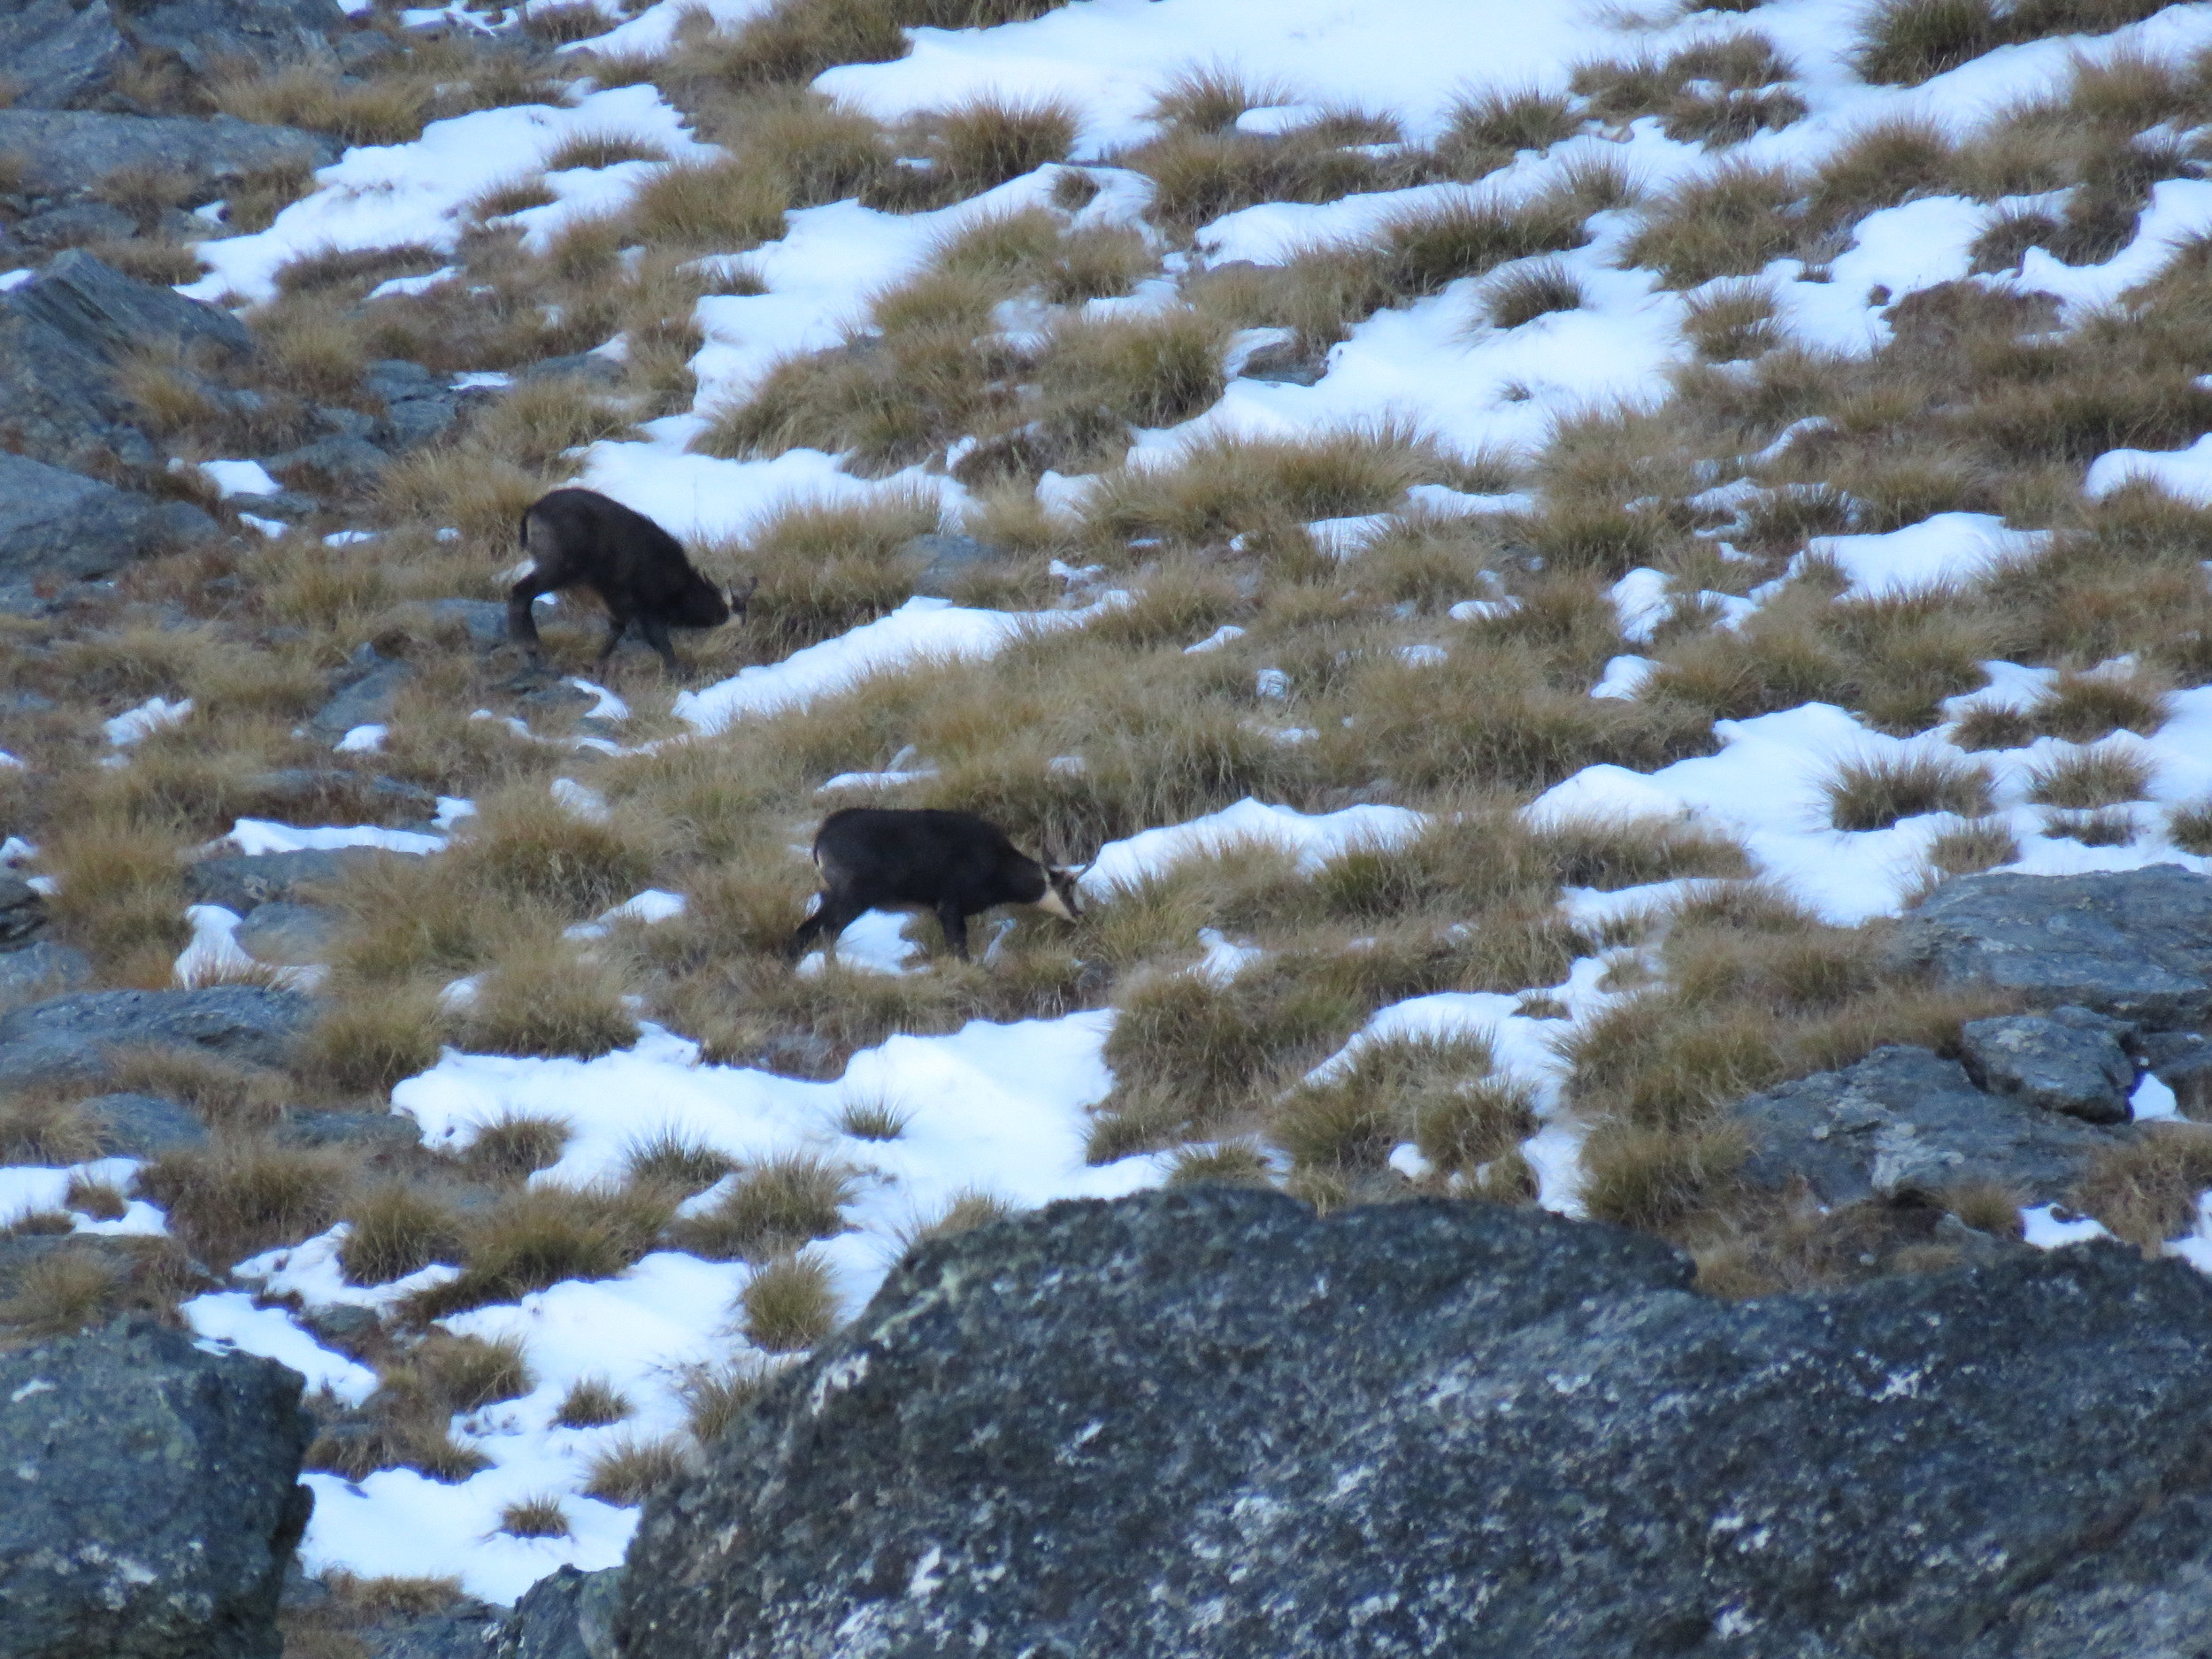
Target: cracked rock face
x=148, y=1498
x=1206, y=1422
x=2070, y=1061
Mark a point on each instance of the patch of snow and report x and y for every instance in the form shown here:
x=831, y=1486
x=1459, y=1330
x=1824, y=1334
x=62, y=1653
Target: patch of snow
x=253, y=835
x=150, y=716
x=1950, y=549
x=362, y=739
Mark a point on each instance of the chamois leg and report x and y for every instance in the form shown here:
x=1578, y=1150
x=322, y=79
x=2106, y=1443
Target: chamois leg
x=522, y=627
x=617, y=624
x=656, y=633
x=836, y=912
x=955, y=925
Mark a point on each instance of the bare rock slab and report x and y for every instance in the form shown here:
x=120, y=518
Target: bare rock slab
x=2135, y=943
x=1905, y=1123
x=71, y=1035
x=152, y=1498
x=1206, y=1425
x=2070, y=1061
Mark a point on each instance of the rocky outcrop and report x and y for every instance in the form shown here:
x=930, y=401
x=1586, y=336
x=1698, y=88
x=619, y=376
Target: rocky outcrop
x=1208, y=1424
x=1905, y=1123
x=2069, y=1061
x=66, y=54
x=69, y=1036
x=56, y=523
x=240, y=881
x=568, y=1616
x=152, y=1498
x=2136, y=944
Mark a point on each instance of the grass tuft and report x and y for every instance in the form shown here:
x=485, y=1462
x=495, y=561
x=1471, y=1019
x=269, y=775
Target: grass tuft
x=789, y=1304
x=2090, y=778
x=593, y=1402
x=1872, y=794
x=1533, y=291
x=630, y=1469
x=773, y=1208
x=396, y=1230
x=534, y=1517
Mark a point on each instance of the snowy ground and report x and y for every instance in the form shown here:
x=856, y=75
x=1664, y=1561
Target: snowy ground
x=1001, y=1109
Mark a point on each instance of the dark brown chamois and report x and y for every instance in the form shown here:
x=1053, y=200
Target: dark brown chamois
x=578, y=538
x=954, y=864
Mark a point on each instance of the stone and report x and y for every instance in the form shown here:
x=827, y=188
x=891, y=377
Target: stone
x=2182, y=1060
x=41, y=968
x=588, y=366
x=66, y=1036
x=372, y=1132
x=944, y=558
x=307, y=787
x=482, y=622
x=65, y=152
x=22, y=909
x=347, y=1326
x=286, y=935
x=463, y=1632
x=2069, y=1061
x=144, y=1126
x=1207, y=1424
x=350, y=462
x=1286, y=363
x=2134, y=943
x=72, y=227
x=153, y=1497
x=569, y=1615
x=415, y=421
x=1905, y=1123
x=59, y=403
x=65, y=53
x=240, y=881
x=97, y=308
x=56, y=523
x=364, y=697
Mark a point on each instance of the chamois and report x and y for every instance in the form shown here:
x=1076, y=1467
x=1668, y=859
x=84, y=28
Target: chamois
x=954, y=864
x=578, y=538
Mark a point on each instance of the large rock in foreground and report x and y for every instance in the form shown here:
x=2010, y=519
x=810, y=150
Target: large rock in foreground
x=151, y=1498
x=72, y=1035
x=1208, y=1424
x=2134, y=943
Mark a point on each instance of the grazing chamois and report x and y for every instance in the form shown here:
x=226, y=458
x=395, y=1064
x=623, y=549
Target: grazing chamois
x=954, y=864
x=578, y=538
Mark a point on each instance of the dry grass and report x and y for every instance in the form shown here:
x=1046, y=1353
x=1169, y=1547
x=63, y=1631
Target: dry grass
x=789, y=1304
x=602, y=149
x=541, y=996
x=723, y=206
x=671, y=1159
x=1908, y=41
x=468, y=1373
x=541, y=1516
x=773, y=1208
x=2191, y=827
x=44, y=1124
x=628, y=1470
x=593, y=1402
x=1730, y=221
x=222, y=1093
x=1874, y=793
x=2090, y=778
x=395, y=1230
x=2146, y=1192
x=240, y=1196
x=515, y=1145
x=536, y=1237
x=1523, y=296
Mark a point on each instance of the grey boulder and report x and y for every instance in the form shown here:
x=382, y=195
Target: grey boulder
x=152, y=1498
x=144, y=1126
x=22, y=909
x=98, y=307
x=240, y=881
x=65, y=152
x=2070, y=1062
x=62, y=54
x=286, y=935
x=567, y=1616
x=41, y=968
x=2136, y=943
x=68, y=1036
x=366, y=696
x=1207, y=1423
x=58, y=523
x=941, y=559
x=1906, y=1123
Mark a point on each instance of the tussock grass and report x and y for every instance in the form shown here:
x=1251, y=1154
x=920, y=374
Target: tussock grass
x=1973, y=848
x=789, y=1304
x=774, y=1208
x=542, y=1517
x=604, y=149
x=44, y=1124
x=2114, y=827
x=1523, y=296
x=796, y=40
x=1728, y=222
x=966, y=1210
x=1424, y=251
x=2082, y=707
x=1229, y=1163
x=630, y=1469
x=395, y=1230
x=2191, y=827
x=60, y=1295
x=714, y=1395
x=529, y=848
x=121, y=896
x=541, y=996
x=985, y=141
x=2146, y=1192
x=1907, y=42
x=873, y=1118
x=2098, y=777
x=723, y=206
x=468, y=1373
x=1209, y=97
x=1874, y=793
x=538, y=1236
x=1651, y=1178
x=673, y=1159
x=1488, y=130
x=1728, y=323
x=371, y=1035
x=238, y=1197
x=593, y=1402
x=515, y=1146
x=1717, y=91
